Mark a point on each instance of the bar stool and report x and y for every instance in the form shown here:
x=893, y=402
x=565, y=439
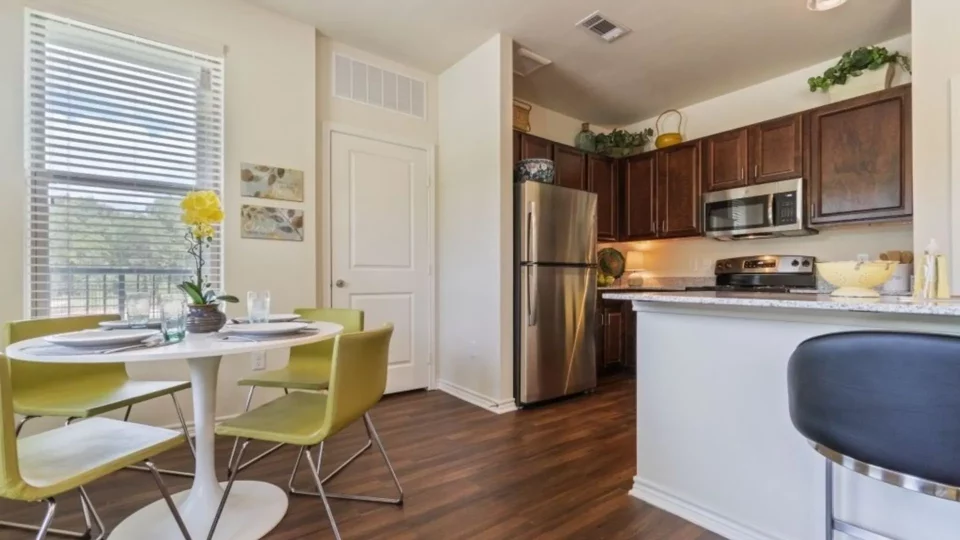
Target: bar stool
x=884, y=405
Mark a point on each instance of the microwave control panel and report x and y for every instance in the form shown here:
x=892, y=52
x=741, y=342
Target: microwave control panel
x=785, y=208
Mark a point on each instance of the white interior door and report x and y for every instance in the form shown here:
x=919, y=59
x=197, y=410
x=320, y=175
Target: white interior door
x=380, y=256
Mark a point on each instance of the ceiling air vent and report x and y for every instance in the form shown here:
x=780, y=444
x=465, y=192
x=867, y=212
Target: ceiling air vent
x=598, y=24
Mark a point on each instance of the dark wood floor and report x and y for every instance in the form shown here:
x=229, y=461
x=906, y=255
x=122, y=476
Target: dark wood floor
x=561, y=471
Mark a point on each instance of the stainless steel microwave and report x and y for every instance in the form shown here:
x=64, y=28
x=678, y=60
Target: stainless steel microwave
x=760, y=211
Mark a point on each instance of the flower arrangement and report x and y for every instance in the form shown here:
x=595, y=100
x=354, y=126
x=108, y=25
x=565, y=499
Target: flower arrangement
x=201, y=211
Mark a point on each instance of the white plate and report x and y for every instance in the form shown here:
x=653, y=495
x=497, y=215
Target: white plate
x=274, y=318
x=265, y=329
x=99, y=338
x=116, y=325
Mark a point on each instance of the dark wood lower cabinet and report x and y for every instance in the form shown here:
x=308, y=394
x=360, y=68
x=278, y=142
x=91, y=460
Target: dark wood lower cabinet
x=615, y=348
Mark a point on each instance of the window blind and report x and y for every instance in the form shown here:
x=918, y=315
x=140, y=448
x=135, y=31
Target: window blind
x=119, y=129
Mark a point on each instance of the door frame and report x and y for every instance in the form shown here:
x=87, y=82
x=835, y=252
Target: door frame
x=325, y=220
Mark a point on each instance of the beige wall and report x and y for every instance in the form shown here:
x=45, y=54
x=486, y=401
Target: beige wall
x=770, y=99
x=475, y=224
x=270, y=101
x=555, y=126
x=936, y=186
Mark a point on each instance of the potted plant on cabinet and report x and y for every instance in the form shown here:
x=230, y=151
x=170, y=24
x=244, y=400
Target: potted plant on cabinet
x=622, y=143
x=860, y=71
x=201, y=210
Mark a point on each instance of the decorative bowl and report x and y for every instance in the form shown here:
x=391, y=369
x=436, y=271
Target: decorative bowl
x=856, y=279
x=537, y=170
x=204, y=318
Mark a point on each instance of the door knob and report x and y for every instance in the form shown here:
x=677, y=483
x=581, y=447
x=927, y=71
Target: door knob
x=340, y=283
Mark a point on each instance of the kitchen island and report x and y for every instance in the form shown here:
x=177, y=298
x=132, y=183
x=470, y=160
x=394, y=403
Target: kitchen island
x=715, y=444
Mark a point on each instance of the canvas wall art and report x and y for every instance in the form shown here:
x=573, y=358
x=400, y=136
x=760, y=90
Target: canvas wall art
x=269, y=223
x=265, y=182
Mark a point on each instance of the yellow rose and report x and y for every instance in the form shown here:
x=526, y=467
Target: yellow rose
x=201, y=207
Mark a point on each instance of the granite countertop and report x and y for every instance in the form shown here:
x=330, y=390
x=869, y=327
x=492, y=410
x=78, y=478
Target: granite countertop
x=904, y=305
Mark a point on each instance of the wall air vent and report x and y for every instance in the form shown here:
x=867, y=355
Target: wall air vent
x=358, y=81
x=598, y=24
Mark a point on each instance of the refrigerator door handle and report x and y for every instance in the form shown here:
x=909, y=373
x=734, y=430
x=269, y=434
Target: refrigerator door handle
x=532, y=232
x=532, y=292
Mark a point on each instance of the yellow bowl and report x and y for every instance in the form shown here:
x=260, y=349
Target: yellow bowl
x=856, y=279
x=668, y=139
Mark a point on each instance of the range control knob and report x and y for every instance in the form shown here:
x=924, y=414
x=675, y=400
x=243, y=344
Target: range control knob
x=795, y=263
x=728, y=265
x=806, y=263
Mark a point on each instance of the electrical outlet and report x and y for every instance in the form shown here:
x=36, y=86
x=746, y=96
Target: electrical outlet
x=259, y=361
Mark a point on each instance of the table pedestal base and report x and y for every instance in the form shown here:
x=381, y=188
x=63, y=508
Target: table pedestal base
x=253, y=510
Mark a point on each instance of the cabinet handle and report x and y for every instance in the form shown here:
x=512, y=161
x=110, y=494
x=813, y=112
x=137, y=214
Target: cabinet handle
x=741, y=173
x=756, y=171
x=664, y=226
x=813, y=209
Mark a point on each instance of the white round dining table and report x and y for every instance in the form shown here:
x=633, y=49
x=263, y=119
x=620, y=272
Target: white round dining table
x=254, y=508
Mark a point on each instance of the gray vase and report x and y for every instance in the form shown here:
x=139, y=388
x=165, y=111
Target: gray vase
x=204, y=318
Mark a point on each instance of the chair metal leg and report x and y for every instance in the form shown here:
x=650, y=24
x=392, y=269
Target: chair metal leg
x=21, y=423
x=373, y=436
x=323, y=495
x=46, y=528
x=833, y=524
x=263, y=454
x=183, y=425
x=166, y=497
x=233, y=467
x=90, y=515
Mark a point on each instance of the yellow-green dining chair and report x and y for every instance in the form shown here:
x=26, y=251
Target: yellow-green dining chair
x=358, y=378
x=76, y=391
x=307, y=369
x=44, y=466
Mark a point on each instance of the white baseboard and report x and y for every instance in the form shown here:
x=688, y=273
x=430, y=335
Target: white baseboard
x=476, y=398
x=696, y=514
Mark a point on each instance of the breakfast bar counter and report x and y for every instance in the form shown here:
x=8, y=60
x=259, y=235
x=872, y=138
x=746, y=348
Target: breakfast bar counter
x=715, y=444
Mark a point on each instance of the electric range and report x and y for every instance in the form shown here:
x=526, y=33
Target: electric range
x=764, y=274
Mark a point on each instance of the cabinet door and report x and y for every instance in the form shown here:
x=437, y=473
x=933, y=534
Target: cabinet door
x=516, y=146
x=639, y=206
x=678, y=190
x=629, y=337
x=601, y=173
x=860, y=155
x=776, y=150
x=725, y=160
x=612, y=338
x=571, y=167
x=534, y=147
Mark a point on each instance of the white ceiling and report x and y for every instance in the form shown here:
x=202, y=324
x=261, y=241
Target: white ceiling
x=679, y=53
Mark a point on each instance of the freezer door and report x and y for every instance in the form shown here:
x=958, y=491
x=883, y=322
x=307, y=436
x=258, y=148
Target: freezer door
x=556, y=224
x=557, y=322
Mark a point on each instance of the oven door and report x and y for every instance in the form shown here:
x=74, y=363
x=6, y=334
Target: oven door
x=732, y=217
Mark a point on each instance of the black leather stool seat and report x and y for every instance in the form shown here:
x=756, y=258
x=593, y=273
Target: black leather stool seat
x=884, y=398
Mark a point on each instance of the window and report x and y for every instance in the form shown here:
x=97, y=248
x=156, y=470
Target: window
x=118, y=130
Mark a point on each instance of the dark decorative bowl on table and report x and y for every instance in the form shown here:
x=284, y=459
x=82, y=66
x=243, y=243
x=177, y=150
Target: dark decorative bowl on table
x=536, y=170
x=205, y=318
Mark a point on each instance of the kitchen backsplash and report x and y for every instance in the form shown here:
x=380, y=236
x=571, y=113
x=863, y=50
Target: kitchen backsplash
x=694, y=257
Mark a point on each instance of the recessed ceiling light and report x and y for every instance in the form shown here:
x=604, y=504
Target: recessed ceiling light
x=823, y=5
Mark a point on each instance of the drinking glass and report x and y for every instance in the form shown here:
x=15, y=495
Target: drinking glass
x=138, y=309
x=173, y=317
x=258, y=306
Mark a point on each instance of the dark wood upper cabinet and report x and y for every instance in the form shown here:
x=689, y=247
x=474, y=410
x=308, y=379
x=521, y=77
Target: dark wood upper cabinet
x=639, y=201
x=776, y=150
x=602, y=179
x=516, y=145
x=725, y=160
x=532, y=147
x=571, y=167
x=860, y=158
x=678, y=190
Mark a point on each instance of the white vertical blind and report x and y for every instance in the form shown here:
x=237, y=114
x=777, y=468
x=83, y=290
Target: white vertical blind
x=119, y=129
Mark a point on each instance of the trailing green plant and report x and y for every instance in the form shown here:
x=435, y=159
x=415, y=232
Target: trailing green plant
x=853, y=63
x=620, y=142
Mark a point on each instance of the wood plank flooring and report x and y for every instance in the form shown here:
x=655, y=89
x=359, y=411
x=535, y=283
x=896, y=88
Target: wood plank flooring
x=556, y=472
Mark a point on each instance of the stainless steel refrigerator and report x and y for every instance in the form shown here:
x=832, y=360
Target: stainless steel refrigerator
x=556, y=292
